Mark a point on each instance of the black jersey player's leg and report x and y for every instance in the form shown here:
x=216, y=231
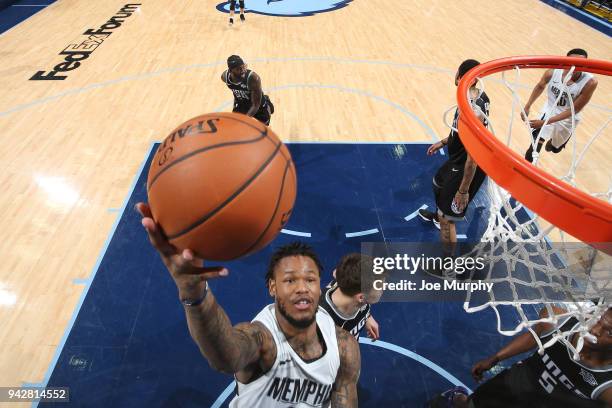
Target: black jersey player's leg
x=241, y=3
x=437, y=183
x=232, y=11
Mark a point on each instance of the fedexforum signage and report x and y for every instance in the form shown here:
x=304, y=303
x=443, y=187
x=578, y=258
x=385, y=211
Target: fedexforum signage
x=74, y=54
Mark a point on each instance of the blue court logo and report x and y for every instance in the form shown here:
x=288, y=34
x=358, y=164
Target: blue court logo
x=287, y=8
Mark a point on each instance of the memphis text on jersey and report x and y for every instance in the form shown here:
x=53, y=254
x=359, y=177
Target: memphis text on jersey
x=75, y=53
x=301, y=390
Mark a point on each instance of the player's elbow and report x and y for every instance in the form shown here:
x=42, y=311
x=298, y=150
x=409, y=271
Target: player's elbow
x=225, y=367
x=223, y=364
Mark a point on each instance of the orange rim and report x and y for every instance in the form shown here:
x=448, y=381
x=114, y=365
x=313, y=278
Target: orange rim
x=573, y=211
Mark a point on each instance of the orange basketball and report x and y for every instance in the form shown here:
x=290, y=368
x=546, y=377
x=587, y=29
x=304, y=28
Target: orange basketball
x=223, y=185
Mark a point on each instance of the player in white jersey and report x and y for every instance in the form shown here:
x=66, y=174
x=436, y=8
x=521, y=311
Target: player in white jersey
x=291, y=355
x=557, y=113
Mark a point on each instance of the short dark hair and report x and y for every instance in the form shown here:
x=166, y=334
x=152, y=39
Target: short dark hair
x=234, y=61
x=292, y=249
x=354, y=272
x=466, y=66
x=577, y=51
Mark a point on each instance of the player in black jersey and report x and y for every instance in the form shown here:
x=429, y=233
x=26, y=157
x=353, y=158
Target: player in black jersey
x=233, y=9
x=345, y=301
x=245, y=84
x=458, y=180
x=550, y=380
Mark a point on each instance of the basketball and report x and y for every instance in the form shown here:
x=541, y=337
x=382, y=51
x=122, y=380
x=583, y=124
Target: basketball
x=221, y=184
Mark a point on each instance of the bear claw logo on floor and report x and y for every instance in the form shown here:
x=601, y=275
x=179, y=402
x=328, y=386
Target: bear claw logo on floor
x=287, y=8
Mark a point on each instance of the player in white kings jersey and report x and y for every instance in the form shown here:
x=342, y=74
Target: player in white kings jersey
x=557, y=113
x=291, y=354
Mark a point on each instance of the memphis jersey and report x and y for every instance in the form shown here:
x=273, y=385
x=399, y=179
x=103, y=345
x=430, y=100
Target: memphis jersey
x=558, y=373
x=556, y=86
x=353, y=324
x=242, y=93
x=293, y=382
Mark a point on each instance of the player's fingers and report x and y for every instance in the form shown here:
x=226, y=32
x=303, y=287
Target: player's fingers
x=157, y=239
x=215, y=272
x=190, y=256
x=144, y=210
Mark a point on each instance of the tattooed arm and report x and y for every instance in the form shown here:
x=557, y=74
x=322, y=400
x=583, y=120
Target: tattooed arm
x=245, y=349
x=344, y=393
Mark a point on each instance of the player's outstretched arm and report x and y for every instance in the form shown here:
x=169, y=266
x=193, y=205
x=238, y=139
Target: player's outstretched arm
x=344, y=393
x=228, y=349
x=538, y=89
x=520, y=344
x=256, y=94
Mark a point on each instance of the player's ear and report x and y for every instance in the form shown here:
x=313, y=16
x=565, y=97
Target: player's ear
x=360, y=297
x=272, y=287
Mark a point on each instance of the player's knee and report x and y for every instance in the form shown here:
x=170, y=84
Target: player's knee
x=241, y=2
x=553, y=149
x=233, y=5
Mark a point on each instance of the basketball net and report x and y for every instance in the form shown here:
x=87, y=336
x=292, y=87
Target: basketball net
x=522, y=258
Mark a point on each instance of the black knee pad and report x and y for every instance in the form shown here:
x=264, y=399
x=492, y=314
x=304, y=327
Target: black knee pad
x=551, y=148
x=241, y=2
x=233, y=5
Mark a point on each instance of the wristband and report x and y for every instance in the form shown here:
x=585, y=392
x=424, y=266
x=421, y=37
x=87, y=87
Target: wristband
x=196, y=302
x=461, y=192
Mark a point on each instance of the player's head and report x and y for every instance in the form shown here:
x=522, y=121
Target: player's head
x=464, y=68
x=602, y=330
x=236, y=66
x=575, y=53
x=294, y=280
x=355, y=278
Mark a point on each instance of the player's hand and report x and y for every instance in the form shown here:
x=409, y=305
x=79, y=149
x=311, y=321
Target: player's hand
x=482, y=366
x=372, y=330
x=186, y=269
x=460, y=201
x=434, y=148
x=525, y=116
x=536, y=123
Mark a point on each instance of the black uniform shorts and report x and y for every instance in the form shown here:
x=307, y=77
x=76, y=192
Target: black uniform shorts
x=446, y=184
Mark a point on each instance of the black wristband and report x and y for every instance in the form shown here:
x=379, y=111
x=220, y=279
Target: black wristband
x=197, y=302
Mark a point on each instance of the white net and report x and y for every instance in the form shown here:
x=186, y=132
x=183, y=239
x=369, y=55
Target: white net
x=532, y=263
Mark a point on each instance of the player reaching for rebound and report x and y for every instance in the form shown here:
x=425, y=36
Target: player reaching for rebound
x=291, y=355
x=245, y=84
x=551, y=380
x=558, y=113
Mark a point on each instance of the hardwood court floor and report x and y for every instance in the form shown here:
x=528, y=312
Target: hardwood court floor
x=371, y=71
